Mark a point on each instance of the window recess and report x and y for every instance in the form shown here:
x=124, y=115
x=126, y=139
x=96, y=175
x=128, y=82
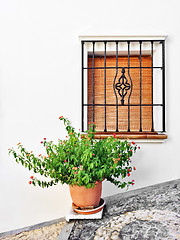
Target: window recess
x=123, y=88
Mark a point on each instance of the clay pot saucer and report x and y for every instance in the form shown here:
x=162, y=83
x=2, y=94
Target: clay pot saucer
x=89, y=210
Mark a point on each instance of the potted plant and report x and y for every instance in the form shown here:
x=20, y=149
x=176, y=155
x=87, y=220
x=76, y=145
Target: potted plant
x=80, y=161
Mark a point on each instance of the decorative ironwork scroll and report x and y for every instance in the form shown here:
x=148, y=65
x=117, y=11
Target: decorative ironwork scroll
x=122, y=86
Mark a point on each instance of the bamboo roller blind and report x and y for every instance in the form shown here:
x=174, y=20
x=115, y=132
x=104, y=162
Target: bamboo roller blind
x=99, y=95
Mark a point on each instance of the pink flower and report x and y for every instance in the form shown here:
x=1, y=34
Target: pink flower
x=75, y=173
x=65, y=160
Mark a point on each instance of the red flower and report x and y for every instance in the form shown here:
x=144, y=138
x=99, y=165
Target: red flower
x=31, y=177
x=93, y=154
x=75, y=173
x=133, y=142
x=131, y=150
x=60, y=117
x=89, y=122
x=39, y=155
x=85, y=144
x=44, y=138
x=139, y=147
x=133, y=180
x=65, y=160
x=41, y=142
x=114, y=135
x=96, y=182
x=30, y=182
x=94, y=123
x=128, y=174
x=132, y=183
x=134, y=168
x=129, y=170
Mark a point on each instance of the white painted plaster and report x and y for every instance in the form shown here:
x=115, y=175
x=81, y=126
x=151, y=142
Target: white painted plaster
x=40, y=80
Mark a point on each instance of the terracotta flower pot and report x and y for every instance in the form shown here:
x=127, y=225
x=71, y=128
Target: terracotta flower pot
x=85, y=198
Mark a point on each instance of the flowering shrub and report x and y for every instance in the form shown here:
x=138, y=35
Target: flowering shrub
x=80, y=160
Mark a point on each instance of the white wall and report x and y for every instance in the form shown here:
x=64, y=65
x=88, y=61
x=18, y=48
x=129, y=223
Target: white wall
x=40, y=80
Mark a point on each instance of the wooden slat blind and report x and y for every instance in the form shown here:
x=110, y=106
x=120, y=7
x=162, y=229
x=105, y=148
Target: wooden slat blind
x=110, y=96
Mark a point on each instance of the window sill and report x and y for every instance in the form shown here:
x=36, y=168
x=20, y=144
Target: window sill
x=139, y=137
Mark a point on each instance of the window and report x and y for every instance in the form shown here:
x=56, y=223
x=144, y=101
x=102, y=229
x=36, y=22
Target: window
x=123, y=87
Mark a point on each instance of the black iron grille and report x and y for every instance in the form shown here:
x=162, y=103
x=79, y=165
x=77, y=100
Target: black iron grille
x=122, y=81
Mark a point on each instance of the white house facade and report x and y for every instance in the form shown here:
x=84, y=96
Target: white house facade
x=41, y=79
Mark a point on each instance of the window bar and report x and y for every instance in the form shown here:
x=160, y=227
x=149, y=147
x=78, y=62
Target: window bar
x=82, y=76
x=105, y=129
x=163, y=85
x=131, y=87
x=152, y=130
x=116, y=95
x=93, y=85
x=140, y=45
x=120, y=67
x=120, y=105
